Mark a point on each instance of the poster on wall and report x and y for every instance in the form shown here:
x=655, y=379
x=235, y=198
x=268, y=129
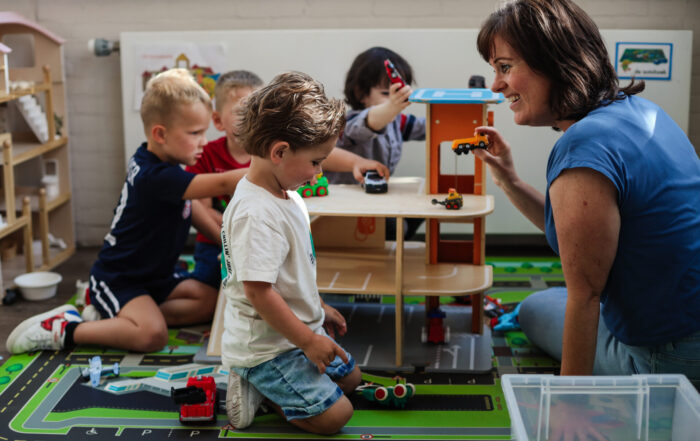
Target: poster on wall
x=204, y=61
x=644, y=61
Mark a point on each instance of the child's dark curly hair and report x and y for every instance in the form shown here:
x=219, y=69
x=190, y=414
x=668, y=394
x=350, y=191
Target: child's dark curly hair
x=368, y=71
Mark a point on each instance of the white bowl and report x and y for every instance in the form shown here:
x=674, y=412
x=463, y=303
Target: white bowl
x=39, y=285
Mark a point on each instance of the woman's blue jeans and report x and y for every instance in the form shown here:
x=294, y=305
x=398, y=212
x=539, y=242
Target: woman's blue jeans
x=542, y=320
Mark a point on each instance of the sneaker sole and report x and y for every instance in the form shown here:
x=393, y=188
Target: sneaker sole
x=32, y=320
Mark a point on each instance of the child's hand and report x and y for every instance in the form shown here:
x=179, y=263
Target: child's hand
x=382, y=114
x=362, y=165
x=334, y=321
x=398, y=97
x=321, y=351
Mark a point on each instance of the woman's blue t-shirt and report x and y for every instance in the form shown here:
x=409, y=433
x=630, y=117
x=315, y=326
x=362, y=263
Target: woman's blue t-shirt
x=652, y=295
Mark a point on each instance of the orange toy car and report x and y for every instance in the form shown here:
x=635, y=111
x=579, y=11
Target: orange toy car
x=465, y=145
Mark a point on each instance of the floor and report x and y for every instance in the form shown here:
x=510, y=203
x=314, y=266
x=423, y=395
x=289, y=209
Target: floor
x=78, y=268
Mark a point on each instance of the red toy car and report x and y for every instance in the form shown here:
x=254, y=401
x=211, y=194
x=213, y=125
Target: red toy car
x=393, y=73
x=197, y=401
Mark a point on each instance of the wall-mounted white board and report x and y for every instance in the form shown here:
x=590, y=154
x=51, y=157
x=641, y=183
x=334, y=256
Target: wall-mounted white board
x=441, y=58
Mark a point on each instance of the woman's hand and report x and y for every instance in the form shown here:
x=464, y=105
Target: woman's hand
x=498, y=157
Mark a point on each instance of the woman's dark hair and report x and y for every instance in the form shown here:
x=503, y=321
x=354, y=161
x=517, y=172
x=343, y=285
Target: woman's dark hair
x=367, y=71
x=558, y=40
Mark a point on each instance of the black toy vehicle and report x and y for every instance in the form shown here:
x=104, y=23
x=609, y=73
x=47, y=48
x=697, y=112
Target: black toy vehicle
x=374, y=183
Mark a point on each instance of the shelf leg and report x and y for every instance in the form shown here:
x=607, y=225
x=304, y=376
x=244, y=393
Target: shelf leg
x=399, y=291
x=44, y=227
x=28, y=237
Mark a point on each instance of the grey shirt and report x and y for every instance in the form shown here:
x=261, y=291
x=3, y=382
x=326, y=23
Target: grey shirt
x=384, y=146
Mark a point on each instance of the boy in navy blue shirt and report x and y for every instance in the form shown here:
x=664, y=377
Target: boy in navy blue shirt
x=132, y=283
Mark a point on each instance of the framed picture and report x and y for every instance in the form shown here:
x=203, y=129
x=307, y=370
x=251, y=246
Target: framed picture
x=644, y=61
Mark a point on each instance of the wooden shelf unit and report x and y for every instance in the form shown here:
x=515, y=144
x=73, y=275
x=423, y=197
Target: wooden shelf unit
x=40, y=216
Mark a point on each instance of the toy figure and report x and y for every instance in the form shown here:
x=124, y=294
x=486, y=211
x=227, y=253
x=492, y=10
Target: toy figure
x=391, y=396
x=454, y=200
x=95, y=371
x=197, y=401
x=319, y=188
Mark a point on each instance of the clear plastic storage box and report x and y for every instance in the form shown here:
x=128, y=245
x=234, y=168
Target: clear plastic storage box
x=618, y=408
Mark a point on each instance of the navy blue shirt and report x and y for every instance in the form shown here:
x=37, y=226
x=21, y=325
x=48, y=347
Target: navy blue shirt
x=151, y=222
x=652, y=295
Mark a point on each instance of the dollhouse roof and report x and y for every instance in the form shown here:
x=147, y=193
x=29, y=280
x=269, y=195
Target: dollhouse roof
x=4, y=49
x=14, y=18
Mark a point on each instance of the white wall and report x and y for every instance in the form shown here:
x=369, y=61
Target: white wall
x=94, y=86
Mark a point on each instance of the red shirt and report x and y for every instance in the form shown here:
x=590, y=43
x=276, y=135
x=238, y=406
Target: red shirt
x=216, y=159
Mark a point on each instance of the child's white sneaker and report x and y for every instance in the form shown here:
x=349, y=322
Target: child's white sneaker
x=242, y=401
x=43, y=331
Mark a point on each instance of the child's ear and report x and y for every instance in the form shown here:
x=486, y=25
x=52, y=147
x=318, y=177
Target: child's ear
x=158, y=132
x=278, y=150
x=216, y=119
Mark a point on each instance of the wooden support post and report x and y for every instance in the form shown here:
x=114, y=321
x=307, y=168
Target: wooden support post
x=28, y=237
x=44, y=227
x=398, y=286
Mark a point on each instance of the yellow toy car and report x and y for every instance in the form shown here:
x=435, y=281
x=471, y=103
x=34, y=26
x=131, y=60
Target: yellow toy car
x=465, y=145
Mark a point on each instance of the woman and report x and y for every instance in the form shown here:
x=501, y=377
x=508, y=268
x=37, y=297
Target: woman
x=622, y=205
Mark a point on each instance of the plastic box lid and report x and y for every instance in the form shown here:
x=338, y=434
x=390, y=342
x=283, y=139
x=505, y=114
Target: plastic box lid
x=624, y=408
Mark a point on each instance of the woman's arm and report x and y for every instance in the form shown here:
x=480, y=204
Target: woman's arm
x=587, y=220
x=526, y=198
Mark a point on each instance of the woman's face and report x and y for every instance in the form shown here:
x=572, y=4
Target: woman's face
x=526, y=90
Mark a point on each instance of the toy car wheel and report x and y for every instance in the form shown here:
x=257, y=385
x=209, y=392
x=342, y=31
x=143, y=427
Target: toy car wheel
x=458, y=150
x=482, y=144
x=400, y=391
x=321, y=191
x=307, y=193
x=411, y=389
x=381, y=394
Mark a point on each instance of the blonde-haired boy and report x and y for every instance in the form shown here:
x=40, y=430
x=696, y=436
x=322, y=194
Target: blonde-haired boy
x=132, y=283
x=274, y=340
x=223, y=154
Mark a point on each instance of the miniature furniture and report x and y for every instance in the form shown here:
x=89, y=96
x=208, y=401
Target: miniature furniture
x=33, y=138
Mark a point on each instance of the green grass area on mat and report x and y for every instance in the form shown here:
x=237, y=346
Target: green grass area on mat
x=511, y=296
x=13, y=367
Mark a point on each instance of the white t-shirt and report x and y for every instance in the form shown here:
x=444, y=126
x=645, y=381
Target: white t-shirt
x=266, y=239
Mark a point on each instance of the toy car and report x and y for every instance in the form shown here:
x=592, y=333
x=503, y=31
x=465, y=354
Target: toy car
x=393, y=73
x=94, y=372
x=320, y=188
x=197, y=401
x=465, y=145
x=390, y=396
x=454, y=200
x=374, y=183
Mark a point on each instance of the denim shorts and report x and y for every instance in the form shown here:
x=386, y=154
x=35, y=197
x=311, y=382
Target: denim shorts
x=292, y=382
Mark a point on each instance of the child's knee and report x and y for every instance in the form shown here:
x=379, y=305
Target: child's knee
x=333, y=419
x=152, y=340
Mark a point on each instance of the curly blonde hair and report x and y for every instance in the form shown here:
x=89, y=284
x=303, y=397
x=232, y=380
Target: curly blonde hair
x=293, y=108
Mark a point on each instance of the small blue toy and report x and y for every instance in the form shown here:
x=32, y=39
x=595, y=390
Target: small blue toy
x=508, y=321
x=95, y=372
